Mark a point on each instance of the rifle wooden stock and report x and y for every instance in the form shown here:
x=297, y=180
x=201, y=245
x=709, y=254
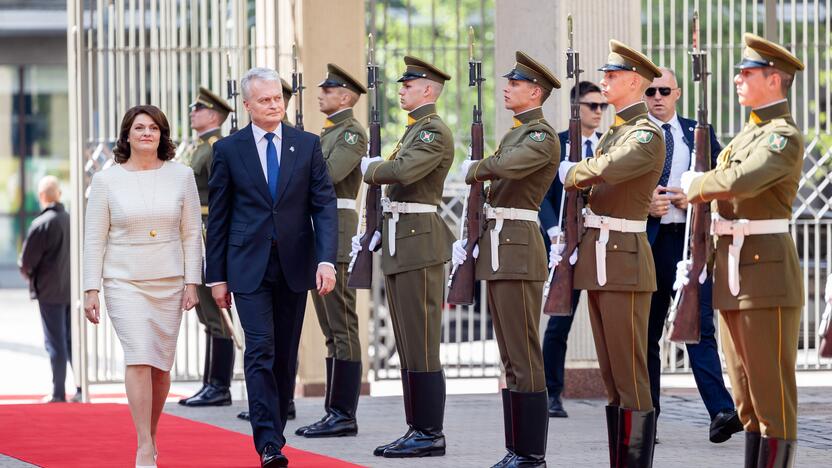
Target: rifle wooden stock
x=559, y=297
x=685, y=327
x=361, y=275
x=463, y=279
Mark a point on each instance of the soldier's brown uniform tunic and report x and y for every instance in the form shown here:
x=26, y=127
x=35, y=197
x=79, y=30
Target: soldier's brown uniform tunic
x=621, y=178
x=521, y=171
x=343, y=142
x=756, y=178
x=415, y=280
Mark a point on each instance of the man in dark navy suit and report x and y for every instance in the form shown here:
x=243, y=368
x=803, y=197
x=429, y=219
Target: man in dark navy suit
x=272, y=236
x=593, y=105
x=666, y=232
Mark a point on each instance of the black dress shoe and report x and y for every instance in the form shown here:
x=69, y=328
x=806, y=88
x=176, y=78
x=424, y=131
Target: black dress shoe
x=212, y=396
x=271, y=457
x=244, y=416
x=724, y=425
x=336, y=424
x=418, y=444
x=556, y=408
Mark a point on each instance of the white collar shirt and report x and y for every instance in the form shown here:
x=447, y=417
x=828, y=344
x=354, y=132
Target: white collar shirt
x=680, y=164
x=261, y=142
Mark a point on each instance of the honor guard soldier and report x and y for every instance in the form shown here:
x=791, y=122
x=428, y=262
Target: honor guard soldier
x=344, y=143
x=511, y=255
x=208, y=112
x=614, y=261
x=415, y=244
x=757, y=283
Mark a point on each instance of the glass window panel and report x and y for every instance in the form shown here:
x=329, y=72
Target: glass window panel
x=10, y=240
x=10, y=194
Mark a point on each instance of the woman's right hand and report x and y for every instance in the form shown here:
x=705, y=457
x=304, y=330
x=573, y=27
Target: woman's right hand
x=92, y=308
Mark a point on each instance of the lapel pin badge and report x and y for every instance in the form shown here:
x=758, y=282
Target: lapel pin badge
x=292, y=149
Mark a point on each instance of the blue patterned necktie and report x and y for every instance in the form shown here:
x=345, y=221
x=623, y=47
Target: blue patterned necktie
x=272, y=166
x=668, y=159
x=588, y=149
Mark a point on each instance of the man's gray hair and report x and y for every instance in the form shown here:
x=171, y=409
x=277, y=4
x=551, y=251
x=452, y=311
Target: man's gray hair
x=257, y=73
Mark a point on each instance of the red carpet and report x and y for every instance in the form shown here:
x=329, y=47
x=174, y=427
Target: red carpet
x=101, y=435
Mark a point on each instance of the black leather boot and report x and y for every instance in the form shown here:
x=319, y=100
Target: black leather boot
x=529, y=427
x=218, y=391
x=776, y=453
x=752, y=449
x=612, y=433
x=346, y=386
x=507, y=429
x=206, y=370
x=427, y=399
x=636, y=434
x=408, y=415
x=327, y=395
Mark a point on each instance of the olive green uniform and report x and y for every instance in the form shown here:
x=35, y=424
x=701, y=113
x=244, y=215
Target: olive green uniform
x=756, y=178
x=344, y=143
x=621, y=177
x=415, y=281
x=199, y=158
x=521, y=171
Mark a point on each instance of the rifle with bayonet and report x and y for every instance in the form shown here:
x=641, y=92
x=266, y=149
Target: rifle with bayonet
x=297, y=88
x=557, y=291
x=231, y=87
x=462, y=281
x=685, y=312
x=361, y=265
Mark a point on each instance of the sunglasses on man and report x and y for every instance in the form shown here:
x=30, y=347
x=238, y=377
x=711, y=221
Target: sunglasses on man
x=664, y=91
x=594, y=106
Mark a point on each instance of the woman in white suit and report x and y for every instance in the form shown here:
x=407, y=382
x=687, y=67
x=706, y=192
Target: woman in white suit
x=143, y=239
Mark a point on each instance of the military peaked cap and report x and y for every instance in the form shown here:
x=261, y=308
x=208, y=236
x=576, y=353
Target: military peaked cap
x=209, y=100
x=337, y=77
x=623, y=57
x=760, y=52
x=418, y=68
x=529, y=69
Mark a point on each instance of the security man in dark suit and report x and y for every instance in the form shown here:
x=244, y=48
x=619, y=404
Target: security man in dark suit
x=208, y=112
x=666, y=233
x=593, y=105
x=44, y=263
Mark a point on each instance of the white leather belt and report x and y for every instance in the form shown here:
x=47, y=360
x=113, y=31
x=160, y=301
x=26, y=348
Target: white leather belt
x=397, y=208
x=501, y=214
x=738, y=229
x=346, y=204
x=606, y=224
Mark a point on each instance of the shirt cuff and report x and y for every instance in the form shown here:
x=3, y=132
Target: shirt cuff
x=211, y=285
x=327, y=263
x=552, y=231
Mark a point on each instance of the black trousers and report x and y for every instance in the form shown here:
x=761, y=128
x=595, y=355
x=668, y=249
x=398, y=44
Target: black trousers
x=704, y=358
x=57, y=336
x=272, y=318
x=554, y=348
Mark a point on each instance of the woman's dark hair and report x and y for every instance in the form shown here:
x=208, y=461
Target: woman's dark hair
x=166, y=150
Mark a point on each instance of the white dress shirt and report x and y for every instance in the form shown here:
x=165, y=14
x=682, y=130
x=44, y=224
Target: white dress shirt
x=680, y=164
x=261, y=142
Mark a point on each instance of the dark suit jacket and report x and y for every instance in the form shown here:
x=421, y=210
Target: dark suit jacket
x=550, y=207
x=45, y=257
x=688, y=126
x=242, y=218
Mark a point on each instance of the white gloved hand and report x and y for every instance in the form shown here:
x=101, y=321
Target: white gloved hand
x=563, y=169
x=687, y=178
x=465, y=166
x=573, y=259
x=366, y=161
x=375, y=241
x=458, y=253
x=828, y=293
x=682, y=271
x=555, y=251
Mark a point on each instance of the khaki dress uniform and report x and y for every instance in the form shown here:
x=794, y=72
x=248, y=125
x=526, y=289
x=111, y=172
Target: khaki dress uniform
x=219, y=348
x=512, y=259
x=615, y=263
x=415, y=245
x=344, y=143
x=757, y=280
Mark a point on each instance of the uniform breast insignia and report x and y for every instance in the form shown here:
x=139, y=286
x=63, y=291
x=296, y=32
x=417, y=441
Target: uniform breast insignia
x=213, y=140
x=777, y=142
x=537, y=136
x=351, y=138
x=427, y=136
x=643, y=136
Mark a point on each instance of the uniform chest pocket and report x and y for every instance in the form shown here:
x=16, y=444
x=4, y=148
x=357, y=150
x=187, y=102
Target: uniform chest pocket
x=622, y=259
x=514, y=249
x=761, y=263
x=409, y=226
